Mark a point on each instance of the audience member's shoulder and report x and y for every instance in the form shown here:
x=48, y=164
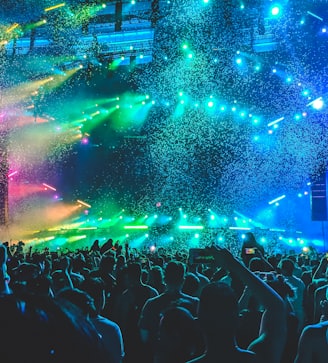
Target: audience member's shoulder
x=314, y=329
x=151, y=290
x=191, y=298
x=154, y=300
x=105, y=321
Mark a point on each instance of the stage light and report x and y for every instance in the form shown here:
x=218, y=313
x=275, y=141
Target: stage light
x=47, y=186
x=12, y=174
x=277, y=199
x=318, y=103
x=12, y=27
x=136, y=227
x=275, y=10
x=54, y=7
x=315, y=15
x=275, y=121
x=210, y=104
x=239, y=61
x=83, y=203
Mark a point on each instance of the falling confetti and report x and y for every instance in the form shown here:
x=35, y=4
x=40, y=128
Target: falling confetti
x=189, y=129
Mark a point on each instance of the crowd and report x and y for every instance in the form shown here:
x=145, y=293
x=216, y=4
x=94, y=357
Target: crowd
x=114, y=304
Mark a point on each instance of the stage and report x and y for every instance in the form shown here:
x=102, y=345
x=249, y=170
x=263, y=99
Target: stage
x=169, y=123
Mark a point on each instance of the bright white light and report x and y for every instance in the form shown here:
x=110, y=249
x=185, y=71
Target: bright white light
x=318, y=104
x=275, y=10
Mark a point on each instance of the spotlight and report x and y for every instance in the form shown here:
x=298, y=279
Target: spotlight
x=275, y=10
x=318, y=103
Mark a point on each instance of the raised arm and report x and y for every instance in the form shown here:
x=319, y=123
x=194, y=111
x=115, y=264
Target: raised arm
x=272, y=336
x=320, y=272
